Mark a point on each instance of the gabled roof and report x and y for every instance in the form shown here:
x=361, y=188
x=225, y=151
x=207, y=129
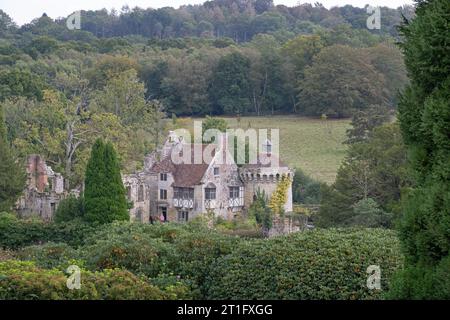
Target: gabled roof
x=185, y=174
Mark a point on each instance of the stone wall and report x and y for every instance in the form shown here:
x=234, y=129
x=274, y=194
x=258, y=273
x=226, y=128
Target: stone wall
x=265, y=179
x=138, y=194
x=44, y=190
x=284, y=225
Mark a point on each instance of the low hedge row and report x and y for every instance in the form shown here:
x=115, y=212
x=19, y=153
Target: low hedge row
x=24, y=281
x=318, y=264
x=17, y=233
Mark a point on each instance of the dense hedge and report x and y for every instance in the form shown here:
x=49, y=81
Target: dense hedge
x=136, y=252
x=198, y=250
x=319, y=264
x=191, y=260
x=49, y=255
x=17, y=233
x=159, y=250
x=24, y=281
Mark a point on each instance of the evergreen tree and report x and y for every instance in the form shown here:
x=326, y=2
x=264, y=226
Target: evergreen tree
x=375, y=169
x=12, y=174
x=104, y=194
x=424, y=114
x=364, y=121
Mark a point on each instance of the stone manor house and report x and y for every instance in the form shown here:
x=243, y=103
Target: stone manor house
x=168, y=190
x=179, y=192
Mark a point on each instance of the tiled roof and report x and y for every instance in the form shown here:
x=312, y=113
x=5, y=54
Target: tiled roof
x=185, y=174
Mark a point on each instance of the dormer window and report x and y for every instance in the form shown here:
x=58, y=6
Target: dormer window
x=216, y=171
x=163, y=176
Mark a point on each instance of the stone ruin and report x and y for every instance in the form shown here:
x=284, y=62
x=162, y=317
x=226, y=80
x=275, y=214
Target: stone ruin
x=44, y=190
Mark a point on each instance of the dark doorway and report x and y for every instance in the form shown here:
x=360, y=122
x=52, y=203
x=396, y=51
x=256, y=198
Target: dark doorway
x=164, y=213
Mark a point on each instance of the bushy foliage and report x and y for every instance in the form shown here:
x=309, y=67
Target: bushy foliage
x=49, y=255
x=367, y=213
x=280, y=195
x=69, y=209
x=239, y=226
x=161, y=251
x=197, y=251
x=17, y=233
x=424, y=114
x=137, y=252
x=364, y=121
x=260, y=211
x=21, y=280
x=229, y=84
x=305, y=189
x=167, y=232
x=377, y=169
x=334, y=66
x=191, y=260
x=214, y=123
x=319, y=264
x=422, y=282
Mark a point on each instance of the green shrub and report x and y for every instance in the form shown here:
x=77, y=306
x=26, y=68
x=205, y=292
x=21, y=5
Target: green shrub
x=49, y=255
x=133, y=250
x=420, y=283
x=198, y=250
x=69, y=209
x=17, y=233
x=160, y=251
x=167, y=232
x=21, y=280
x=6, y=255
x=318, y=264
x=367, y=213
x=239, y=226
x=305, y=189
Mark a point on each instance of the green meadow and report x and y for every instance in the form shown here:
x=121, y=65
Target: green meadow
x=314, y=145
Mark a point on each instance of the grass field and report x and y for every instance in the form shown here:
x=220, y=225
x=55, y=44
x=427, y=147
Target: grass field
x=313, y=145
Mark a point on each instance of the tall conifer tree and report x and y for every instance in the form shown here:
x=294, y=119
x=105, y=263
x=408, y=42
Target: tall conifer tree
x=105, y=199
x=424, y=113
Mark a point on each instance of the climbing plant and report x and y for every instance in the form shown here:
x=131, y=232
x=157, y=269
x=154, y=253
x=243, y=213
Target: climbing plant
x=279, y=196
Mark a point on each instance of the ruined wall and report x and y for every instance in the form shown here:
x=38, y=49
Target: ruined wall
x=137, y=193
x=283, y=225
x=44, y=190
x=36, y=173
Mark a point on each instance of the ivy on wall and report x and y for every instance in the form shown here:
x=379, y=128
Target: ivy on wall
x=279, y=196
